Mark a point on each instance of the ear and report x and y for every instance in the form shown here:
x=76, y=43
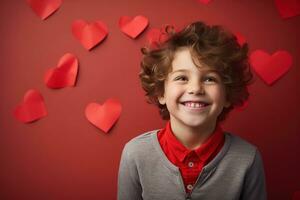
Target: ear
x=162, y=100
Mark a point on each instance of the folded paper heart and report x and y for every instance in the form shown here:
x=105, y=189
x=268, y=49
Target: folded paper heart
x=243, y=106
x=104, y=116
x=240, y=38
x=157, y=36
x=153, y=37
x=64, y=74
x=89, y=34
x=288, y=8
x=32, y=108
x=44, y=8
x=133, y=26
x=270, y=68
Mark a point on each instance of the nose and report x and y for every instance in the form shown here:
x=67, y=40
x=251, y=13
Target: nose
x=196, y=88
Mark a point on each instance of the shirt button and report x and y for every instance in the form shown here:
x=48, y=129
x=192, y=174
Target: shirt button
x=189, y=187
x=191, y=164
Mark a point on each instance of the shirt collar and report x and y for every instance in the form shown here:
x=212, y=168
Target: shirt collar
x=203, y=152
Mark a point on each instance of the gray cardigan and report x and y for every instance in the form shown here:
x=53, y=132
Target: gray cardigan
x=146, y=173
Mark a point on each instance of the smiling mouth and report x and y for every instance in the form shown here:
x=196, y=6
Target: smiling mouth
x=195, y=104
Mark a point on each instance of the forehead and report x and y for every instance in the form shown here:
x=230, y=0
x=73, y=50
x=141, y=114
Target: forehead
x=183, y=61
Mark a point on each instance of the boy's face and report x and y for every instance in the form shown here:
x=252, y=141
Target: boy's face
x=194, y=96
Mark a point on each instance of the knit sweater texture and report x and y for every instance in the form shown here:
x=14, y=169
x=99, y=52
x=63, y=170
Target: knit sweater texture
x=145, y=173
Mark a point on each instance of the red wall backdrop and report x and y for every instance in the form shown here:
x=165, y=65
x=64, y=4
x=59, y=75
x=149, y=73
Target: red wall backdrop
x=63, y=156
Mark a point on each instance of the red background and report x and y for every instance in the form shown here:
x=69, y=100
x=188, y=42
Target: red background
x=63, y=156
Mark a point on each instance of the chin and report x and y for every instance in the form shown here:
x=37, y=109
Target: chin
x=194, y=123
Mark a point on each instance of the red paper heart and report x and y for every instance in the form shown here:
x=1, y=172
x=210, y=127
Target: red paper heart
x=104, y=116
x=240, y=38
x=204, y=1
x=271, y=68
x=243, y=106
x=153, y=36
x=32, y=108
x=64, y=74
x=288, y=8
x=157, y=36
x=89, y=34
x=44, y=8
x=133, y=27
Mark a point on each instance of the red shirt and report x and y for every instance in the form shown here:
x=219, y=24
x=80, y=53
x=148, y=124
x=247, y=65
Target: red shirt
x=190, y=162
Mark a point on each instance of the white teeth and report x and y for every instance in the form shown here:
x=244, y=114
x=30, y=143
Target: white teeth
x=194, y=105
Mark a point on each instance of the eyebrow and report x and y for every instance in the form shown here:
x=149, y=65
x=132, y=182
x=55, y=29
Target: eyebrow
x=184, y=70
x=179, y=70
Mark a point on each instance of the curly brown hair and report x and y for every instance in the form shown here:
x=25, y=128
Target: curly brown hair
x=213, y=46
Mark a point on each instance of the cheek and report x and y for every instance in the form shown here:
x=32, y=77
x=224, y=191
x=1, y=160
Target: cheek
x=222, y=96
x=173, y=94
x=218, y=94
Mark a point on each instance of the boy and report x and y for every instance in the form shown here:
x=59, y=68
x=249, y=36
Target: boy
x=195, y=77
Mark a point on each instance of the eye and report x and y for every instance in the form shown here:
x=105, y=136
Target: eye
x=180, y=78
x=210, y=79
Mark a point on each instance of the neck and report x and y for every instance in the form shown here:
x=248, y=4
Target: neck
x=192, y=137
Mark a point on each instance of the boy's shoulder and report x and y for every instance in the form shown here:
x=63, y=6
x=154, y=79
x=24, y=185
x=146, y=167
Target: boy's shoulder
x=240, y=147
x=239, y=141
x=141, y=143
